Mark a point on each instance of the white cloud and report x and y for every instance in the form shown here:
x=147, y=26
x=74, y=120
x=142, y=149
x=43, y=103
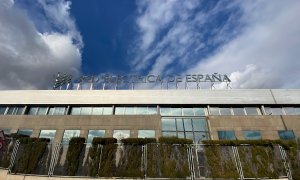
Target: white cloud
x=176, y=29
x=266, y=54
x=29, y=59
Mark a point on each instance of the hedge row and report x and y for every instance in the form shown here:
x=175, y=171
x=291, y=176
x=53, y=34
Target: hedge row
x=285, y=143
x=138, y=141
x=76, y=145
x=174, y=140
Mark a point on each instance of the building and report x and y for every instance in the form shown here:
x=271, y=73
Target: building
x=195, y=114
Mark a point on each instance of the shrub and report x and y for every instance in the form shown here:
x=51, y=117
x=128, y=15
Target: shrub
x=138, y=141
x=76, y=145
x=103, y=141
x=174, y=140
x=30, y=152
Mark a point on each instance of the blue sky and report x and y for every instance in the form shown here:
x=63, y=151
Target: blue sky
x=256, y=43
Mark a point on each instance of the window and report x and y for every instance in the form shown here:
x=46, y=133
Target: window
x=199, y=111
x=75, y=111
x=121, y=134
x=107, y=110
x=56, y=111
x=252, y=135
x=68, y=134
x=33, y=110
x=290, y=111
x=6, y=130
x=214, y=111
x=86, y=111
x=188, y=112
x=189, y=128
x=251, y=111
x=168, y=124
x=129, y=110
x=164, y=111
x=199, y=124
x=188, y=125
x=146, y=134
x=176, y=112
x=277, y=111
x=97, y=111
x=26, y=132
x=238, y=111
x=225, y=111
x=119, y=110
x=38, y=110
x=286, y=135
x=49, y=134
x=227, y=135
x=141, y=110
x=152, y=110
x=2, y=110
x=15, y=110
x=95, y=133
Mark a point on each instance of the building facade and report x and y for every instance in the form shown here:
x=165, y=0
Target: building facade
x=193, y=114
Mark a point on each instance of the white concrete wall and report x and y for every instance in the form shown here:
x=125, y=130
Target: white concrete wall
x=205, y=96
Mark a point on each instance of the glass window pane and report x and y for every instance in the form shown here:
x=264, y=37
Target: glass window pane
x=238, y=111
x=251, y=110
x=141, y=110
x=164, y=111
x=107, y=111
x=180, y=134
x=11, y=110
x=286, y=135
x=130, y=110
x=225, y=111
x=97, y=111
x=68, y=134
x=121, y=134
x=199, y=111
x=297, y=111
x=289, y=111
x=19, y=110
x=42, y=110
x=27, y=132
x=189, y=135
x=188, y=124
x=75, y=111
x=146, y=134
x=6, y=130
x=200, y=136
x=268, y=111
x=51, y=111
x=49, y=134
x=252, y=135
x=277, y=111
x=33, y=110
x=95, y=133
x=199, y=125
x=2, y=110
x=176, y=112
x=119, y=110
x=86, y=111
x=188, y=111
x=168, y=124
x=179, y=124
x=169, y=134
x=229, y=135
x=152, y=110
x=214, y=111
x=59, y=111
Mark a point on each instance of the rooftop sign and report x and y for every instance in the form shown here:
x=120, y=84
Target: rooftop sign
x=66, y=80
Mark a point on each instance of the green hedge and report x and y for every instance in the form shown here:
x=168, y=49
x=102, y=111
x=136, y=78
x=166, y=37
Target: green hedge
x=103, y=141
x=76, y=145
x=29, y=154
x=174, y=140
x=104, y=149
x=138, y=141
